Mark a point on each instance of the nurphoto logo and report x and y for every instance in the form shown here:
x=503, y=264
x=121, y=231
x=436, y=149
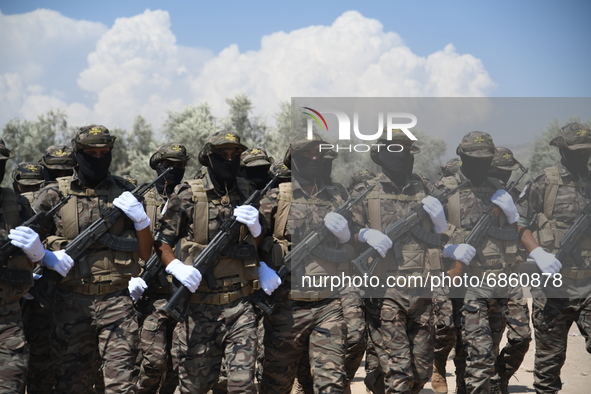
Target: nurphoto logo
x=391, y=120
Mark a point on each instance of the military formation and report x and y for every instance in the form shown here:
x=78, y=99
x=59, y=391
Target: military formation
x=221, y=281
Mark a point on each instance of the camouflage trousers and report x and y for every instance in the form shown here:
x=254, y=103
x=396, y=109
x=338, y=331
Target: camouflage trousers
x=447, y=314
x=483, y=323
x=354, y=314
x=156, y=332
x=298, y=328
x=518, y=336
x=401, y=331
x=552, y=319
x=37, y=324
x=14, y=351
x=82, y=323
x=210, y=333
x=374, y=377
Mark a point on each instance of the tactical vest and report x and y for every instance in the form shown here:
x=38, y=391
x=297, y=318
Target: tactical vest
x=106, y=265
x=548, y=230
x=417, y=257
x=497, y=253
x=231, y=274
x=153, y=203
x=9, y=219
x=340, y=256
x=30, y=196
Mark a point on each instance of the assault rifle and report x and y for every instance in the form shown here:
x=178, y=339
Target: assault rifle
x=569, y=244
x=219, y=246
x=484, y=228
x=299, y=254
x=7, y=249
x=409, y=223
x=98, y=232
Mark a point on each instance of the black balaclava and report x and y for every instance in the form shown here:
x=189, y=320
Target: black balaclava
x=167, y=183
x=259, y=175
x=397, y=165
x=327, y=171
x=575, y=162
x=223, y=172
x=503, y=175
x=2, y=169
x=475, y=168
x=92, y=170
x=307, y=170
x=51, y=175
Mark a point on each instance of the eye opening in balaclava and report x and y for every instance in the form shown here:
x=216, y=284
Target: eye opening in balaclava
x=307, y=169
x=92, y=170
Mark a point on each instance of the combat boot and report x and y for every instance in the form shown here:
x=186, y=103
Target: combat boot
x=438, y=381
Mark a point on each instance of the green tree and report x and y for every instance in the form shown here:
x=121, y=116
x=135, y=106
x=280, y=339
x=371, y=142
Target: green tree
x=190, y=127
x=251, y=129
x=141, y=145
x=29, y=139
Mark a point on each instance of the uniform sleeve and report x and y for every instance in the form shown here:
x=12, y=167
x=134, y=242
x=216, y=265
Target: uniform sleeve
x=175, y=223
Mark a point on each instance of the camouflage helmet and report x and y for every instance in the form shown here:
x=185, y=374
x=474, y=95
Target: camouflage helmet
x=504, y=159
x=5, y=153
x=573, y=136
x=281, y=168
x=27, y=173
x=218, y=139
x=58, y=157
x=301, y=142
x=398, y=137
x=477, y=144
x=93, y=136
x=360, y=176
x=255, y=157
x=169, y=151
x=451, y=166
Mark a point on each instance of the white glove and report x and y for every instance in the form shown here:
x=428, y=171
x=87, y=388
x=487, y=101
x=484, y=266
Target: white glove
x=461, y=252
x=547, y=262
x=133, y=209
x=249, y=215
x=337, y=225
x=376, y=239
x=188, y=275
x=433, y=207
x=28, y=240
x=58, y=261
x=503, y=200
x=136, y=288
x=269, y=279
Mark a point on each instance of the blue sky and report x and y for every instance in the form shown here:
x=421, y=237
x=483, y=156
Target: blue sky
x=498, y=48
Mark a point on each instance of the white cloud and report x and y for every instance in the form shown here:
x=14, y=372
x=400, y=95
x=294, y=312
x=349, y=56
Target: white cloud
x=109, y=76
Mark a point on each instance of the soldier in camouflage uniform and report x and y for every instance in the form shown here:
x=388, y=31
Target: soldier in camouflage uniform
x=447, y=319
x=221, y=320
x=557, y=196
x=58, y=161
x=95, y=311
x=307, y=321
x=27, y=179
x=483, y=310
x=15, y=280
x=156, y=327
x=517, y=313
x=399, y=319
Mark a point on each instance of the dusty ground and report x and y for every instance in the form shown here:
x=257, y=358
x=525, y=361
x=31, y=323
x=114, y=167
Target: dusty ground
x=575, y=374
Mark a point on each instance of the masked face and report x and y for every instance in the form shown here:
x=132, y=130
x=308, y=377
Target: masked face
x=475, y=168
x=575, y=161
x=93, y=168
x=307, y=166
x=397, y=165
x=259, y=175
x=224, y=169
x=2, y=169
x=166, y=184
